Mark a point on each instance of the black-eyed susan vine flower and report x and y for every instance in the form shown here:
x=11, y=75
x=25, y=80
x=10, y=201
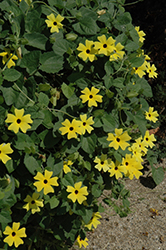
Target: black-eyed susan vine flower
x=8, y=57
x=119, y=139
x=33, y=203
x=86, y=123
x=19, y=121
x=94, y=221
x=140, y=71
x=45, y=182
x=87, y=51
x=149, y=139
x=104, y=46
x=117, y=52
x=77, y=193
x=66, y=165
x=132, y=167
x=151, y=70
x=142, y=145
x=91, y=96
x=71, y=128
x=117, y=169
x=5, y=149
x=140, y=33
x=14, y=234
x=54, y=22
x=103, y=163
x=80, y=242
x=151, y=115
x=136, y=151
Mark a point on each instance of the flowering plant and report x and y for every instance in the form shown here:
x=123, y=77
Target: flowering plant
x=73, y=120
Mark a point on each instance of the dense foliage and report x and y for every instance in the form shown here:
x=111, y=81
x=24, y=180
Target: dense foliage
x=73, y=119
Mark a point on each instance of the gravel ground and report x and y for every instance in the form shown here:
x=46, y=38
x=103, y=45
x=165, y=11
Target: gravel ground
x=140, y=230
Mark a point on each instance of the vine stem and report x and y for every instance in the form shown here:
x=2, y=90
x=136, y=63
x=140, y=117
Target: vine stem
x=24, y=93
x=57, y=110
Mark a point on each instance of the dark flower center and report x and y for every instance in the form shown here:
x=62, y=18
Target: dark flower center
x=91, y=96
x=18, y=121
x=149, y=115
x=126, y=163
x=104, y=46
x=84, y=123
x=102, y=162
x=71, y=128
x=116, y=168
x=147, y=139
x=118, y=140
x=76, y=191
x=54, y=23
x=0, y=151
x=87, y=51
x=45, y=181
x=32, y=202
x=13, y=234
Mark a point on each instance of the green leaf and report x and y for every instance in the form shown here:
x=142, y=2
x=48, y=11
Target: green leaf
x=131, y=46
x=109, y=122
x=88, y=215
x=9, y=166
x=88, y=144
x=54, y=202
x=137, y=61
x=11, y=75
x=146, y=88
x=96, y=190
x=43, y=99
x=57, y=167
x=31, y=164
x=139, y=119
x=30, y=61
x=157, y=174
x=68, y=180
x=5, y=218
x=119, y=82
x=67, y=90
x=51, y=63
x=61, y=46
x=36, y=40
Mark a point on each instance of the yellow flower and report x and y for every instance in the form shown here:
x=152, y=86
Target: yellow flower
x=19, y=121
x=105, y=46
x=119, y=139
x=102, y=163
x=54, y=22
x=149, y=139
x=140, y=33
x=117, y=53
x=151, y=70
x=6, y=55
x=4, y=150
x=45, y=182
x=137, y=152
x=132, y=166
x=77, y=192
x=14, y=234
x=71, y=128
x=67, y=163
x=91, y=96
x=33, y=203
x=151, y=115
x=142, y=145
x=140, y=70
x=117, y=170
x=87, y=51
x=94, y=221
x=81, y=242
x=85, y=123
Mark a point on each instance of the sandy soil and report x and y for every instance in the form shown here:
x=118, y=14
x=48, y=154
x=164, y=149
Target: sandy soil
x=141, y=229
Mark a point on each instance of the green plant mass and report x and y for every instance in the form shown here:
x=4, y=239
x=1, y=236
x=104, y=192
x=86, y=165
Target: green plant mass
x=74, y=120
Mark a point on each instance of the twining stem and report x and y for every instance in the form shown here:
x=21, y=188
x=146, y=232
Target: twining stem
x=24, y=93
x=57, y=110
